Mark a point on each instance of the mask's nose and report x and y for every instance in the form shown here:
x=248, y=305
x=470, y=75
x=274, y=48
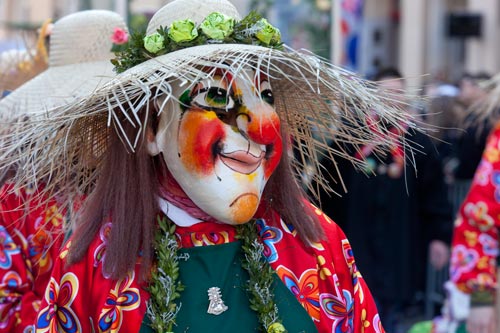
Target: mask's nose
x=261, y=124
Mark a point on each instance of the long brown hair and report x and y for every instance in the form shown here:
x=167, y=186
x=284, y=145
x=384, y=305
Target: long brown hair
x=127, y=192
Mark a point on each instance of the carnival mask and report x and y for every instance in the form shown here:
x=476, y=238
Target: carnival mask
x=220, y=139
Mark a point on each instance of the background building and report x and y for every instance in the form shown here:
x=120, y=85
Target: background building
x=365, y=35
x=442, y=38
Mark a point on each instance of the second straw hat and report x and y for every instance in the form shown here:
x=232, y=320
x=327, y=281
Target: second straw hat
x=79, y=63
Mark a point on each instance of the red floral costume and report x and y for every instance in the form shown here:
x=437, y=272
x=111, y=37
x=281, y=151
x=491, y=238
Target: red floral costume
x=475, y=239
x=30, y=241
x=323, y=277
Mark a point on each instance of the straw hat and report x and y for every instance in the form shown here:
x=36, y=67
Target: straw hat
x=79, y=63
x=310, y=95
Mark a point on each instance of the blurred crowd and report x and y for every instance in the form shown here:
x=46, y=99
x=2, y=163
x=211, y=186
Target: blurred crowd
x=399, y=211
x=403, y=213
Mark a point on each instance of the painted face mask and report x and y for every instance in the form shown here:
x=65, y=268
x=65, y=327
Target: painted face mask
x=221, y=142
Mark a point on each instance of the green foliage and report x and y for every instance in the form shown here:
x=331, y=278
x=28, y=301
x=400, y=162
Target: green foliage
x=131, y=53
x=165, y=286
x=251, y=30
x=260, y=282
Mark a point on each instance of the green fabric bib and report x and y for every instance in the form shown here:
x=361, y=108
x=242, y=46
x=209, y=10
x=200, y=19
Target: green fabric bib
x=220, y=266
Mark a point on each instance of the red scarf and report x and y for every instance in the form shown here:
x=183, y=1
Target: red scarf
x=171, y=191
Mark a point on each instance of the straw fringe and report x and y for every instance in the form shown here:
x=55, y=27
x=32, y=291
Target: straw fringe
x=316, y=101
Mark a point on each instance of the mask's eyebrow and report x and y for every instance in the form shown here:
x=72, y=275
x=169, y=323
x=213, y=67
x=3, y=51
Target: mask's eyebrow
x=225, y=75
x=259, y=78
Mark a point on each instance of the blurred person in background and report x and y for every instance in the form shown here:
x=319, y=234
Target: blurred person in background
x=392, y=213
x=468, y=146
x=32, y=225
x=443, y=114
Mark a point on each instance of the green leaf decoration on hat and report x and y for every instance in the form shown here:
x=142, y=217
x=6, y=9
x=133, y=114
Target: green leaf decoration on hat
x=182, y=31
x=266, y=33
x=181, y=34
x=217, y=26
x=154, y=43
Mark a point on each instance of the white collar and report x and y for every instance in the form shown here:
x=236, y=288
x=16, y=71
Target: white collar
x=178, y=215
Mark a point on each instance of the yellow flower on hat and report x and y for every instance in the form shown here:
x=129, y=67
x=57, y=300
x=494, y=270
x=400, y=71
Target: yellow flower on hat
x=217, y=26
x=267, y=33
x=154, y=43
x=182, y=31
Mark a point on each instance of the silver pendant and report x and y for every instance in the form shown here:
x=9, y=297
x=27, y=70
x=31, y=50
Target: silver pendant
x=216, y=306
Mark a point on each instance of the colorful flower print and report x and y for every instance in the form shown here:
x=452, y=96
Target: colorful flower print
x=483, y=172
x=491, y=152
x=289, y=228
x=340, y=309
x=351, y=263
x=39, y=246
x=7, y=249
x=10, y=304
x=324, y=271
x=212, y=238
x=349, y=256
x=121, y=298
x=471, y=238
x=321, y=215
x=495, y=180
x=490, y=245
x=100, y=251
x=53, y=216
x=317, y=245
x=463, y=260
x=269, y=237
x=11, y=280
x=305, y=288
x=64, y=252
x=29, y=329
x=58, y=316
x=365, y=323
x=477, y=215
x=377, y=324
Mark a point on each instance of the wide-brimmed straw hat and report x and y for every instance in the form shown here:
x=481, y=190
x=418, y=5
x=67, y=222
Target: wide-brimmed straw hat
x=316, y=101
x=79, y=63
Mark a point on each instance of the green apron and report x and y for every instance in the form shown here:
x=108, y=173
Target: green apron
x=220, y=266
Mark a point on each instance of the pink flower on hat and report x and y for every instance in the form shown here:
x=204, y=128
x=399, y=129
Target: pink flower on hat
x=120, y=36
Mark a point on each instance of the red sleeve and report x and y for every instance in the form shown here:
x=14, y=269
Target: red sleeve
x=475, y=236
x=30, y=238
x=81, y=297
x=365, y=317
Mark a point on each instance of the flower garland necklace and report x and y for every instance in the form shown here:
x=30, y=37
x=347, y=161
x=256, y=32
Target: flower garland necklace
x=165, y=287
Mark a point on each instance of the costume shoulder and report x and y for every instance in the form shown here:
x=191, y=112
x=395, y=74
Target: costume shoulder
x=340, y=284
x=475, y=235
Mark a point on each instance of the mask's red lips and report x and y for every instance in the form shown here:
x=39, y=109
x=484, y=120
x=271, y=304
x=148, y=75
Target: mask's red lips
x=242, y=161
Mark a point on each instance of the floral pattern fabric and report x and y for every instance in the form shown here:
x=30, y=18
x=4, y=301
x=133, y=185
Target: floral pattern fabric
x=322, y=276
x=30, y=240
x=475, y=238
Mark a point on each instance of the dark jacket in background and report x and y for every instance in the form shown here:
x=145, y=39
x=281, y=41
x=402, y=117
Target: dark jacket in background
x=390, y=221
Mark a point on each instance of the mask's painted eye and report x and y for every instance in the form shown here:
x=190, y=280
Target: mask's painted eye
x=214, y=97
x=266, y=93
